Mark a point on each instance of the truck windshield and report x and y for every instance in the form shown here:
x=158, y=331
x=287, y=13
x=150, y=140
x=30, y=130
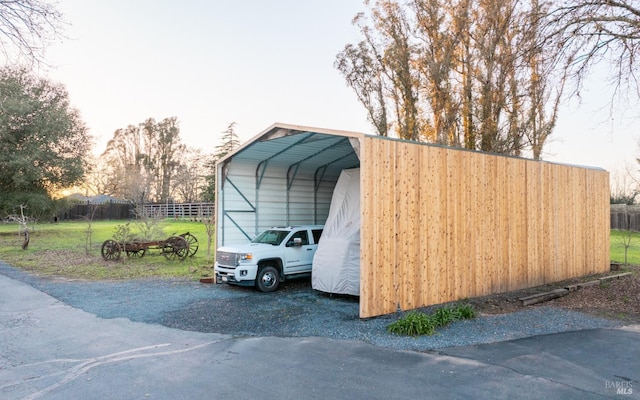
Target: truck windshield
x=271, y=236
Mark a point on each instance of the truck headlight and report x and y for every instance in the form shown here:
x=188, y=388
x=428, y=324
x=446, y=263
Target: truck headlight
x=246, y=256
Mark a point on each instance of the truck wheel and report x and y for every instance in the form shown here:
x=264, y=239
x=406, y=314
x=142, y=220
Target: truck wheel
x=268, y=279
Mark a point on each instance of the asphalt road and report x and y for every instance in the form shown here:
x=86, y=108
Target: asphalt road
x=49, y=350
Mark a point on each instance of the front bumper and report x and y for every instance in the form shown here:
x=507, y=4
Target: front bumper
x=242, y=275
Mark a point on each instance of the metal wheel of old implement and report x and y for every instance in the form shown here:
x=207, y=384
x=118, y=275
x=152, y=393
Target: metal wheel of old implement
x=137, y=253
x=175, y=247
x=110, y=250
x=193, y=243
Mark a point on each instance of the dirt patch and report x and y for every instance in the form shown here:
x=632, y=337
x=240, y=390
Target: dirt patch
x=614, y=299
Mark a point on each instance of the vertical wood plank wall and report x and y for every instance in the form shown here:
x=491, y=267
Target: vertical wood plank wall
x=441, y=224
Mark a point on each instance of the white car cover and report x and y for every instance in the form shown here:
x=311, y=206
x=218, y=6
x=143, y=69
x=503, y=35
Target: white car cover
x=336, y=263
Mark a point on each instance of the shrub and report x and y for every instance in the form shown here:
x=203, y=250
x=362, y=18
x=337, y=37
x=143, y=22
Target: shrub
x=416, y=323
x=466, y=311
x=413, y=324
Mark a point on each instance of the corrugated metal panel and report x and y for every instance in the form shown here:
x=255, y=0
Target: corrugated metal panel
x=236, y=210
x=288, y=173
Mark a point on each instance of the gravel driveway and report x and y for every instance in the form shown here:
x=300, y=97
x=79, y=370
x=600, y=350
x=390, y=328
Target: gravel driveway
x=295, y=310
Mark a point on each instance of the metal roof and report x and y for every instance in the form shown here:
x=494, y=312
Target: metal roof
x=296, y=147
x=312, y=148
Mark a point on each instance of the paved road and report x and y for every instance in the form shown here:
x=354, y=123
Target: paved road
x=49, y=350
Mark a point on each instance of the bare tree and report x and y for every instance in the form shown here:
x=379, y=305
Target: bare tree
x=626, y=236
x=96, y=180
x=439, y=56
x=459, y=72
x=380, y=70
x=625, y=184
x=189, y=179
x=149, y=223
x=209, y=222
x=391, y=21
x=163, y=151
x=591, y=31
x=142, y=160
x=123, y=165
x=27, y=27
x=495, y=57
x=88, y=239
x=122, y=236
x=363, y=71
x=23, y=227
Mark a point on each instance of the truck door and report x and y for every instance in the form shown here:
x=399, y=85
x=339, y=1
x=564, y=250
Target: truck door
x=299, y=256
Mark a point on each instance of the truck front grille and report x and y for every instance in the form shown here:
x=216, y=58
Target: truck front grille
x=227, y=259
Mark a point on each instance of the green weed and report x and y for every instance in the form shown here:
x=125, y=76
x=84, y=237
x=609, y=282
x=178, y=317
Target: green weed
x=413, y=324
x=466, y=311
x=416, y=323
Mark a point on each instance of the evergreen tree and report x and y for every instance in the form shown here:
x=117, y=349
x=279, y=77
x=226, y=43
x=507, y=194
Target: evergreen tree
x=229, y=143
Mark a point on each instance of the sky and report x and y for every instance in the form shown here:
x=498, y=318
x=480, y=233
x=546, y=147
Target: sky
x=253, y=62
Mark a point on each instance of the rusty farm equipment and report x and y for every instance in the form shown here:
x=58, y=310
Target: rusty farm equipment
x=180, y=247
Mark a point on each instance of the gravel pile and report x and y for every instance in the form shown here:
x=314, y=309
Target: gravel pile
x=296, y=310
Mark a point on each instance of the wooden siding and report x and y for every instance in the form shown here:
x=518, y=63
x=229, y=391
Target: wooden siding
x=442, y=224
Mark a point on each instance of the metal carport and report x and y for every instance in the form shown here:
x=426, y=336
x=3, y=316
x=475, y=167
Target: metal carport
x=438, y=224
x=283, y=176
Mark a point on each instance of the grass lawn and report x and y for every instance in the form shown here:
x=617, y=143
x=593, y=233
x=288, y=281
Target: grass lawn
x=72, y=250
x=617, y=245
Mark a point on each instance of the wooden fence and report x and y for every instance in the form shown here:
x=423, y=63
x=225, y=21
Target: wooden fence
x=97, y=212
x=195, y=211
x=124, y=211
x=625, y=217
x=443, y=224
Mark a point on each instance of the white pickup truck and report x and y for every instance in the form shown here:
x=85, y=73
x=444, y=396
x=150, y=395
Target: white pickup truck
x=276, y=254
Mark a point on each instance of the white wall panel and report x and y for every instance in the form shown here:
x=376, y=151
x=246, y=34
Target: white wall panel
x=277, y=176
x=274, y=205
x=237, y=199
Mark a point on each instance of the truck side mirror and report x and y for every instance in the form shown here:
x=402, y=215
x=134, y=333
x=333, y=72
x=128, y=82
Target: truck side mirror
x=296, y=242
